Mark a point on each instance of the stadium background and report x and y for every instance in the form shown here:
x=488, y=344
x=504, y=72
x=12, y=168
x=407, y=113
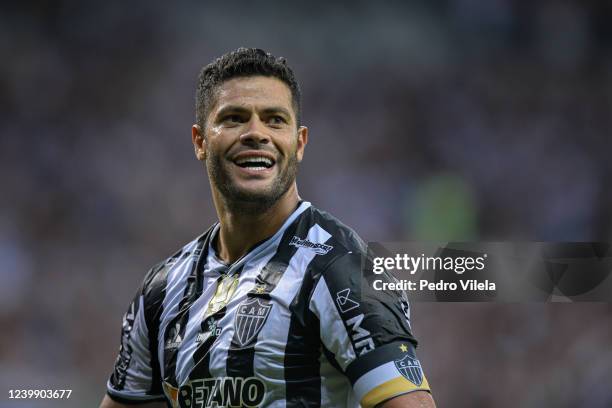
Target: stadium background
x=464, y=120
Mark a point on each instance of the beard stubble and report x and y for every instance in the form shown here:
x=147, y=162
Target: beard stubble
x=237, y=199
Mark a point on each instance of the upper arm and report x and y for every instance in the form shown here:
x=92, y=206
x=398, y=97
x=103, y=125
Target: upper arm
x=416, y=399
x=136, y=375
x=107, y=402
x=368, y=332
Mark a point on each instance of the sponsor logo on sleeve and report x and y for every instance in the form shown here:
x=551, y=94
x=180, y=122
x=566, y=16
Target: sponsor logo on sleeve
x=362, y=338
x=405, y=309
x=345, y=303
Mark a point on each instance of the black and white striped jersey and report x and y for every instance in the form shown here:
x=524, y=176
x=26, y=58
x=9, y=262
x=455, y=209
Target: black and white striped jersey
x=290, y=324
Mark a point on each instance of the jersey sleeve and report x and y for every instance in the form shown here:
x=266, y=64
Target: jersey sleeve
x=367, y=332
x=136, y=376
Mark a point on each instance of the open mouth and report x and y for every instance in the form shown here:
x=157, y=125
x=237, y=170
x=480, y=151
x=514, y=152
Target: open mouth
x=256, y=163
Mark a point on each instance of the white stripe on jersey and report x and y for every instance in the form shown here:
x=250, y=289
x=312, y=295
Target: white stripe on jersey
x=335, y=389
x=268, y=364
x=322, y=305
x=184, y=361
x=140, y=353
x=218, y=354
x=139, y=373
x=175, y=288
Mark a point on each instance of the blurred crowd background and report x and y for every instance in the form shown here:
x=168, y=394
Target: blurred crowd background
x=446, y=120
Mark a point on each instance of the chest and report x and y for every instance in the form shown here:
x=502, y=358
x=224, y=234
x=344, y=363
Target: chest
x=239, y=326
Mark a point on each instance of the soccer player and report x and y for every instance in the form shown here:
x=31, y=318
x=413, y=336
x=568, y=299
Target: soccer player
x=267, y=308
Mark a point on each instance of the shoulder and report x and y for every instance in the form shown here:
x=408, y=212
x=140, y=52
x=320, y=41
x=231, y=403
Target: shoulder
x=161, y=274
x=342, y=243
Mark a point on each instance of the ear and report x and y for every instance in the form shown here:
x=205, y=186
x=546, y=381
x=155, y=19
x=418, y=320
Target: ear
x=199, y=142
x=302, y=141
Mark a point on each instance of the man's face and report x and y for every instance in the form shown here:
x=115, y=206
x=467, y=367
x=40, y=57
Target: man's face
x=251, y=143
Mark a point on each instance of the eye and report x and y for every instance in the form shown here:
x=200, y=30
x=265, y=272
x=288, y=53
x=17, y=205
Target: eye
x=276, y=120
x=232, y=118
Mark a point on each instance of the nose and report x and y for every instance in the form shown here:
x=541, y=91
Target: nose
x=255, y=133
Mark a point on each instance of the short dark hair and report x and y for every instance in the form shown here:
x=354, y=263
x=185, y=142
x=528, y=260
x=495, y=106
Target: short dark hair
x=243, y=62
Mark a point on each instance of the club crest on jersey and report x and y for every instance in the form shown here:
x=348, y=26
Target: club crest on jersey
x=411, y=369
x=319, y=249
x=250, y=318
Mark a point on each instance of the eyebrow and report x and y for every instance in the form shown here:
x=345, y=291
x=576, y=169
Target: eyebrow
x=240, y=109
x=277, y=109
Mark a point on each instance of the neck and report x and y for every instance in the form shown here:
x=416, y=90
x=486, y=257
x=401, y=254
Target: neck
x=241, y=227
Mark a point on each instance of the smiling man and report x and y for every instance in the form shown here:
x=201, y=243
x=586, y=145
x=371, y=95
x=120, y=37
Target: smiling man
x=267, y=307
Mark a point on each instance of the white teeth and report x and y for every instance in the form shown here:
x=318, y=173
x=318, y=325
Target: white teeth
x=254, y=159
